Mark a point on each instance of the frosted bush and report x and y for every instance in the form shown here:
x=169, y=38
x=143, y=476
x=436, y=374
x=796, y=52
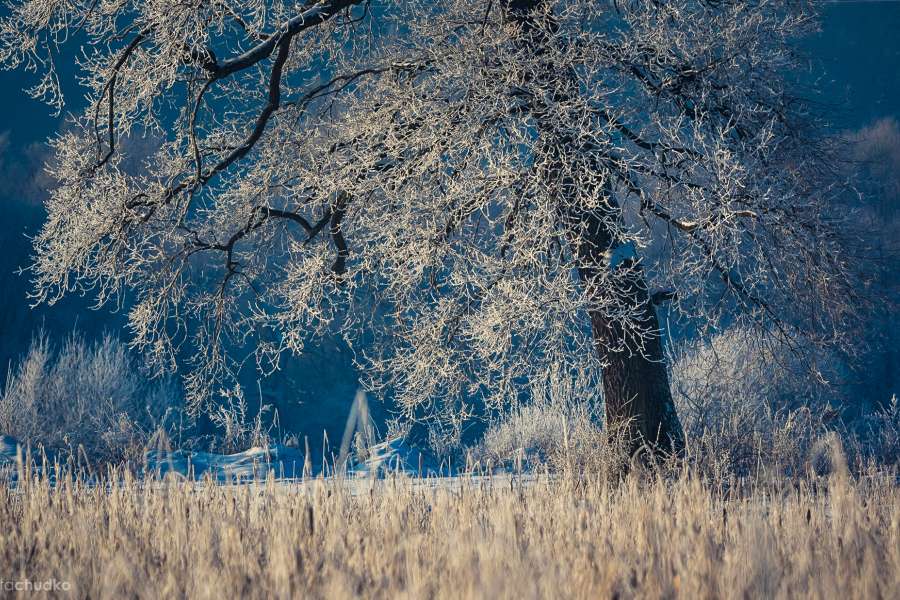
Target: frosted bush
x=878, y=434
x=746, y=405
x=236, y=429
x=530, y=433
x=84, y=400
x=558, y=426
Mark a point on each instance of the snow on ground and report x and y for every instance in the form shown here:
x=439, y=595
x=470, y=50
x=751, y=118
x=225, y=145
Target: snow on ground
x=285, y=463
x=390, y=456
x=254, y=463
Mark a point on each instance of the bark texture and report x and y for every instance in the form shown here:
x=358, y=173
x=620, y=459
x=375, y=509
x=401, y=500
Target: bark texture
x=636, y=389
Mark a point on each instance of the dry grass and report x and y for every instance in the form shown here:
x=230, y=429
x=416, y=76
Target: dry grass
x=644, y=537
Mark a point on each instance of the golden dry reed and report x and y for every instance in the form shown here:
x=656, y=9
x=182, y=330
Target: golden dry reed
x=564, y=537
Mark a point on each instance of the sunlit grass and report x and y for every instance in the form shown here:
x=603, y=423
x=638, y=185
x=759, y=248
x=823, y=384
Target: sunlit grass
x=567, y=536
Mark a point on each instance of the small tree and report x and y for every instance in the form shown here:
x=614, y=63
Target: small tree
x=500, y=186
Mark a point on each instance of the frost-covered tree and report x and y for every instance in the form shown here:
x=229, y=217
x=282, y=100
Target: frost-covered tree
x=484, y=191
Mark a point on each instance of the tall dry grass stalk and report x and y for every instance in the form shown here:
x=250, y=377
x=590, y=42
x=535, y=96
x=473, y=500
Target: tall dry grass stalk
x=565, y=537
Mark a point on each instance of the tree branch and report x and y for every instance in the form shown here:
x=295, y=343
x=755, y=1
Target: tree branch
x=110, y=90
x=315, y=15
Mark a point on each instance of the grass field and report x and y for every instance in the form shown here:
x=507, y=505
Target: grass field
x=645, y=536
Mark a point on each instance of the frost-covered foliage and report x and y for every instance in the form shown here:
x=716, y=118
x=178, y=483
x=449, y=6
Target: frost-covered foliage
x=878, y=434
x=529, y=433
x=236, y=428
x=738, y=367
x=85, y=401
x=746, y=404
x=559, y=426
x=422, y=167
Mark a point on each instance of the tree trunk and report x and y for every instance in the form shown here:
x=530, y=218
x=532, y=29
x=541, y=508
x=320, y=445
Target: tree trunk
x=636, y=390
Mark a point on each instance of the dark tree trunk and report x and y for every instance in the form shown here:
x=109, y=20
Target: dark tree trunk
x=636, y=389
x=635, y=381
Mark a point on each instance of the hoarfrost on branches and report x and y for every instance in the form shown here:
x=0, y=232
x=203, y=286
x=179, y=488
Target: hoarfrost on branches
x=385, y=170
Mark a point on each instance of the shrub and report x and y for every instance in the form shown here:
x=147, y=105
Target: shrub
x=236, y=430
x=559, y=427
x=84, y=400
x=746, y=405
x=876, y=437
x=534, y=434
